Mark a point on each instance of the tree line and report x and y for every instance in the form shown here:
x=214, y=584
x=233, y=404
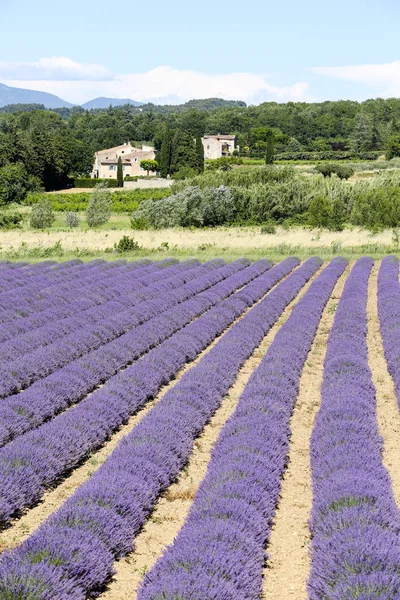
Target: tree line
x=43, y=148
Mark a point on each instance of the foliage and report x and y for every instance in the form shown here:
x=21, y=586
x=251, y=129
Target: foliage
x=319, y=212
x=126, y=244
x=71, y=219
x=192, y=207
x=341, y=170
x=120, y=173
x=92, y=183
x=225, y=163
x=199, y=154
x=270, y=151
x=393, y=146
x=164, y=157
x=10, y=219
x=149, y=165
x=377, y=208
x=268, y=227
x=122, y=201
x=15, y=183
x=98, y=211
x=42, y=214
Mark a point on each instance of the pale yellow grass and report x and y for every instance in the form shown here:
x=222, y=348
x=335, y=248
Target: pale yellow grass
x=183, y=239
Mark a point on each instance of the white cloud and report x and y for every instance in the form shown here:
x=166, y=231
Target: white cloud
x=383, y=78
x=56, y=68
x=161, y=82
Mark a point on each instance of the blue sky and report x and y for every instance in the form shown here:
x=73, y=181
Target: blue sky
x=176, y=50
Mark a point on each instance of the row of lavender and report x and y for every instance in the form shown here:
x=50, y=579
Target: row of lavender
x=219, y=553
x=38, y=458
x=355, y=522
x=84, y=289
x=119, y=293
x=72, y=554
x=68, y=385
x=389, y=316
x=47, y=283
x=19, y=275
x=109, y=321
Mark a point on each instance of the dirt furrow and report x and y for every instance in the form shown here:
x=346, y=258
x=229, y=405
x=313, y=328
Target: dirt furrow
x=387, y=410
x=173, y=506
x=286, y=571
x=32, y=518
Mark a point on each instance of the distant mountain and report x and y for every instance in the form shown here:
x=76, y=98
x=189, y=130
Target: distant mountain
x=101, y=103
x=19, y=99
x=11, y=95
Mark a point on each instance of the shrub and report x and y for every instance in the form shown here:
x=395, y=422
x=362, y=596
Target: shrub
x=99, y=208
x=71, y=219
x=192, y=207
x=10, y=220
x=92, y=183
x=377, y=208
x=328, y=169
x=319, y=212
x=42, y=214
x=126, y=244
x=185, y=173
x=268, y=227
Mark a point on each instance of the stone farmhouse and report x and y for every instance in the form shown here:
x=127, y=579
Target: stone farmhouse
x=105, y=165
x=217, y=146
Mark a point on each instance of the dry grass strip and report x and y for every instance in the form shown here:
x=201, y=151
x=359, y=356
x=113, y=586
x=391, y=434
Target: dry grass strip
x=387, y=410
x=173, y=506
x=286, y=572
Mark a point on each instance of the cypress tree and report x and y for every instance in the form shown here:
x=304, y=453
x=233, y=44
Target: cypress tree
x=199, y=154
x=164, y=157
x=183, y=152
x=120, y=174
x=269, y=154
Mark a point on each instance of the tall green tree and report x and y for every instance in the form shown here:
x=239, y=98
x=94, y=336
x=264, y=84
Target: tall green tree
x=270, y=150
x=183, y=152
x=164, y=157
x=120, y=173
x=200, y=154
x=361, y=139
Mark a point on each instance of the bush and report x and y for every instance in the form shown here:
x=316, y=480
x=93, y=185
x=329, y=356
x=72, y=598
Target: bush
x=86, y=182
x=71, y=219
x=99, y=208
x=185, y=173
x=342, y=171
x=42, y=215
x=319, y=212
x=192, y=207
x=10, y=220
x=268, y=227
x=126, y=244
x=377, y=208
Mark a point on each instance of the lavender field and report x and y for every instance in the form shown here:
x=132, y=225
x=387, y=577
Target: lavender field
x=199, y=431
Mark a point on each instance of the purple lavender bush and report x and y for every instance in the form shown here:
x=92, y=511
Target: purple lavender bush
x=38, y=458
x=389, y=316
x=219, y=552
x=156, y=321
x=106, y=513
x=355, y=522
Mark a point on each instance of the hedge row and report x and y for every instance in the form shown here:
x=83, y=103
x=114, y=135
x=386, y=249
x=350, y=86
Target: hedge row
x=91, y=183
x=328, y=155
x=122, y=202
